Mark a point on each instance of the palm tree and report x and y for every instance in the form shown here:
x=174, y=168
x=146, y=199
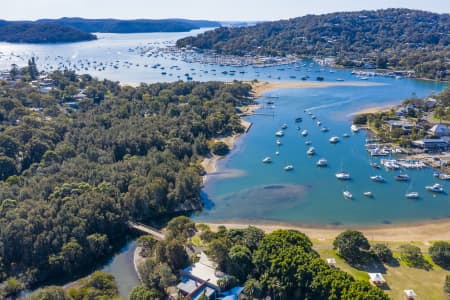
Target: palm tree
x=252, y=288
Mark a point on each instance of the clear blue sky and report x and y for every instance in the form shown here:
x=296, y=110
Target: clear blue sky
x=199, y=9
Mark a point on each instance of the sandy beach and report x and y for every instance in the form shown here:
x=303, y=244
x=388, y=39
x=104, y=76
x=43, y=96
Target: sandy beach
x=423, y=232
x=260, y=88
x=373, y=110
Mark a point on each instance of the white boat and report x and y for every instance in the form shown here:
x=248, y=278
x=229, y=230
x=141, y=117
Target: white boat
x=347, y=195
x=304, y=132
x=308, y=143
x=339, y=79
x=311, y=151
x=277, y=153
x=278, y=142
x=267, y=160
x=334, y=139
x=343, y=175
x=354, y=128
x=284, y=126
x=444, y=176
x=377, y=178
x=412, y=195
x=319, y=123
x=368, y=194
x=322, y=162
x=279, y=133
x=402, y=177
x=288, y=167
x=435, y=188
x=346, y=135
x=313, y=117
x=324, y=129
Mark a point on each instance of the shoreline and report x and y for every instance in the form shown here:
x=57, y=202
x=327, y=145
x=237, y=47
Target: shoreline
x=425, y=231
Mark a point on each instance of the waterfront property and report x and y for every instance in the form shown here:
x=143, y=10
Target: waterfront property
x=439, y=130
x=432, y=145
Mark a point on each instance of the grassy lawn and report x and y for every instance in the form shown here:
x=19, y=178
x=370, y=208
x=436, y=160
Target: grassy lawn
x=428, y=285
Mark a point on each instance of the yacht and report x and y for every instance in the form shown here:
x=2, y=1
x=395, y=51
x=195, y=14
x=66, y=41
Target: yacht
x=298, y=120
x=279, y=133
x=444, y=176
x=267, y=160
x=311, y=151
x=347, y=195
x=324, y=129
x=278, y=142
x=402, y=177
x=334, y=139
x=435, y=188
x=343, y=176
x=304, y=132
x=322, y=162
x=412, y=195
x=319, y=123
x=377, y=178
x=308, y=143
x=284, y=126
x=277, y=153
x=313, y=117
x=354, y=128
x=346, y=135
x=288, y=167
x=368, y=194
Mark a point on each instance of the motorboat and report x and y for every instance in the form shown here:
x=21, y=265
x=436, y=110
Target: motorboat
x=278, y=142
x=304, y=132
x=334, y=139
x=368, y=194
x=346, y=135
x=267, y=160
x=324, y=129
x=319, y=123
x=298, y=120
x=322, y=162
x=375, y=165
x=347, y=195
x=279, y=133
x=412, y=195
x=308, y=143
x=377, y=178
x=284, y=126
x=444, y=176
x=354, y=128
x=288, y=167
x=313, y=117
x=311, y=151
x=343, y=176
x=402, y=177
x=277, y=152
x=435, y=188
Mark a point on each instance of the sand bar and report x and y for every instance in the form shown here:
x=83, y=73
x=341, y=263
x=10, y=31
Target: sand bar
x=423, y=232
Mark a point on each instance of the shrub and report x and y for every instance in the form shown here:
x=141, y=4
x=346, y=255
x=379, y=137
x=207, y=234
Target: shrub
x=440, y=254
x=220, y=148
x=382, y=252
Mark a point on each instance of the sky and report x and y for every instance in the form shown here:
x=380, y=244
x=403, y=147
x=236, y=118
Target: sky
x=220, y=10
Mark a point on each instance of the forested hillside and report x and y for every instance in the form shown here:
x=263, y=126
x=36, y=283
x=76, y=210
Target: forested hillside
x=41, y=33
x=391, y=38
x=71, y=178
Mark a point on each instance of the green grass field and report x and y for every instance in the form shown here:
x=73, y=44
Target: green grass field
x=428, y=285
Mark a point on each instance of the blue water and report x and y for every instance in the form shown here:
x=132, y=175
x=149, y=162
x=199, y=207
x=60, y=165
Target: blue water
x=247, y=189
x=244, y=188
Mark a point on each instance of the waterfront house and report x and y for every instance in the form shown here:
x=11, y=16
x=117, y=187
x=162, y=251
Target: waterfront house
x=404, y=125
x=200, y=279
x=430, y=102
x=376, y=279
x=439, y=130
x=432, y=145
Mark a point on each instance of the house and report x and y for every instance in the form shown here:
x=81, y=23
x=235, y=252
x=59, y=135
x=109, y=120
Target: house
x=430, y=102
x=404, y=125
x=403, y=110
x=200, y=279
x=376, y=279
x=439, y=130
x=432, y=145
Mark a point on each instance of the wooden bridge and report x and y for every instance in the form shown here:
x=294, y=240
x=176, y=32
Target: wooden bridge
x=157, y=234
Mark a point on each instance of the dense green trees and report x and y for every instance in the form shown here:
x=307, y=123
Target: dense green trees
x=382, y=252
x=70, y=181
x=413, y=256
x=352, y=245
x=440, y=253
x=391, y=38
